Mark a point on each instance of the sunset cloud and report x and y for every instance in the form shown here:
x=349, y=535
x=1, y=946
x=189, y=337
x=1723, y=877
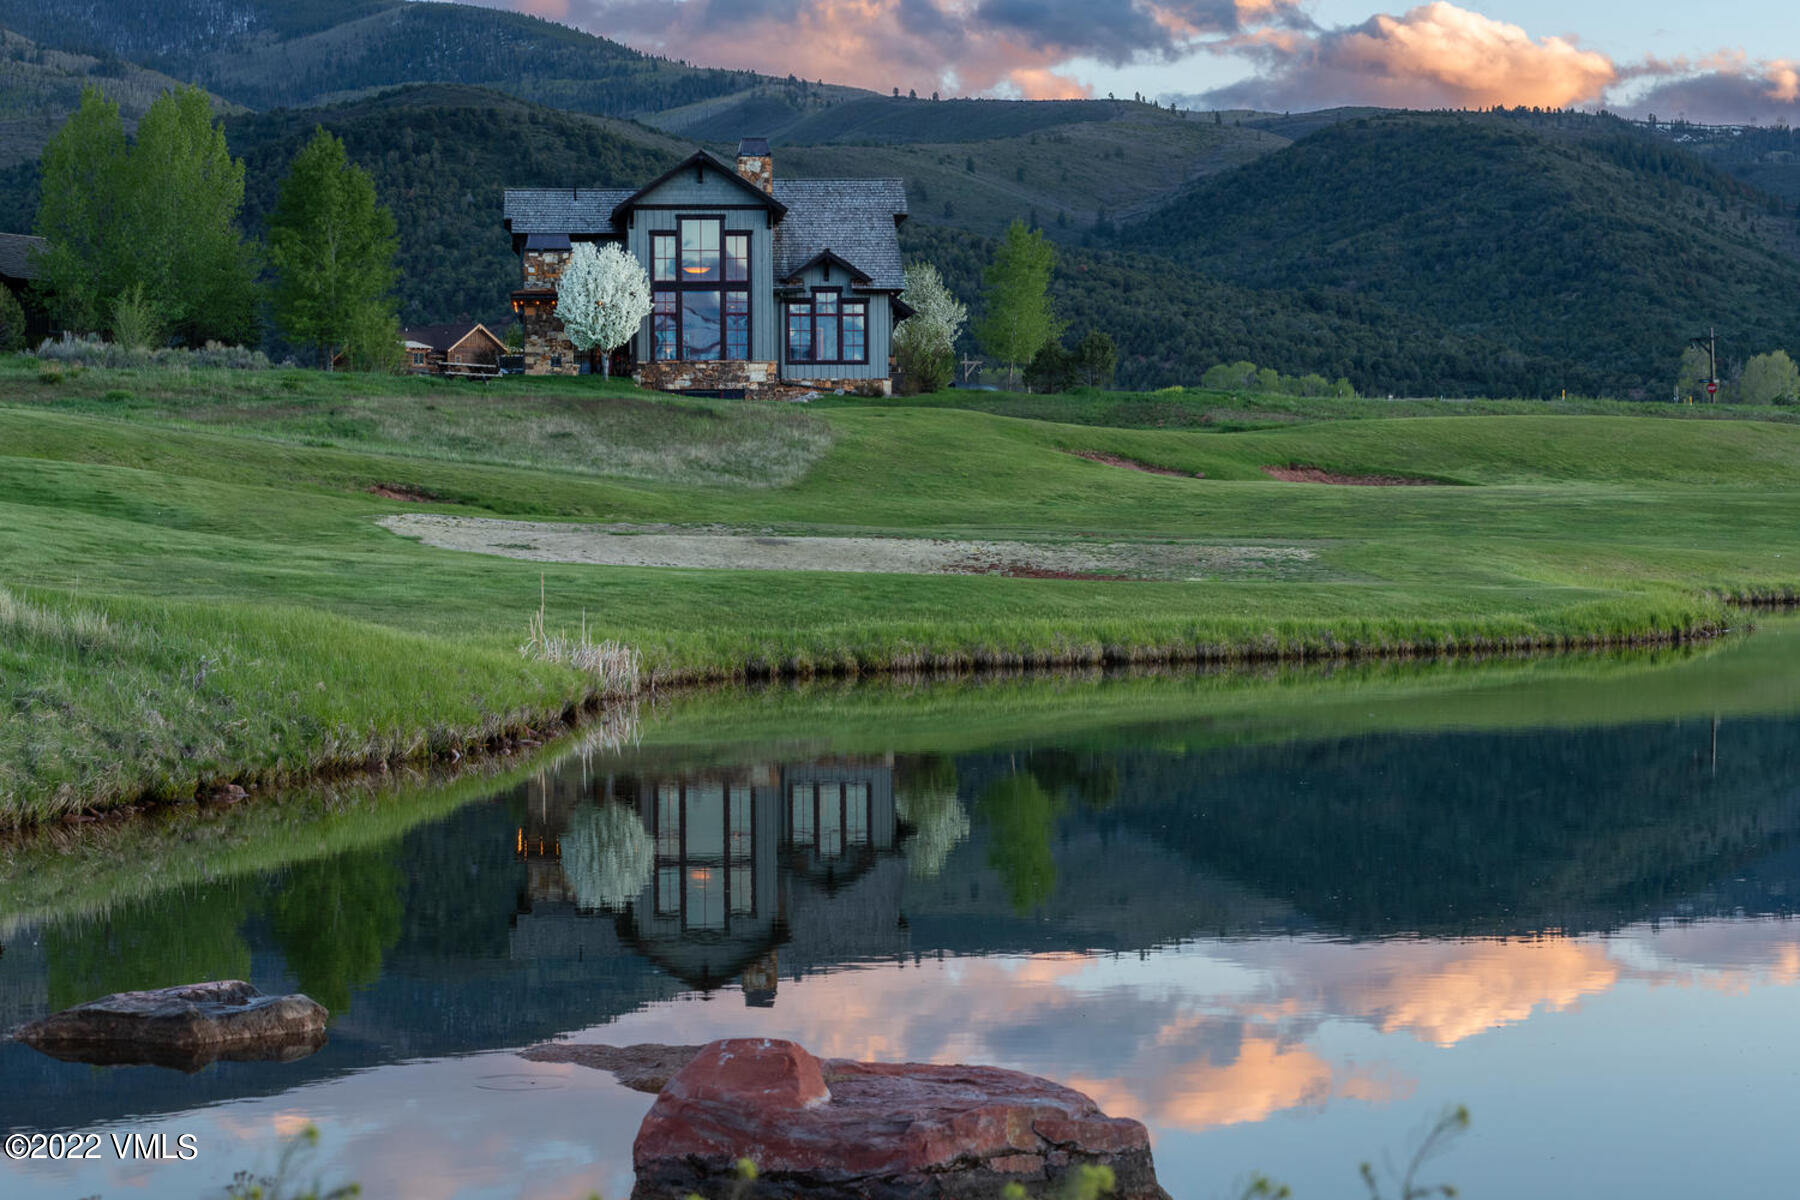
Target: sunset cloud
x=1021, y=48
x=1433, y=56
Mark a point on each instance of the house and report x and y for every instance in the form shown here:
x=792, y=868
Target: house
x=759, y=285
x=459, y=344
x=16, y=275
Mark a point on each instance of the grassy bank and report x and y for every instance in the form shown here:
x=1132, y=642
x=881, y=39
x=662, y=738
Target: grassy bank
x=198, y=590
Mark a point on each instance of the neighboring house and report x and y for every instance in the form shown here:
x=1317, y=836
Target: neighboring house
x=459, y=344
x=16, y=275
x=759, y=285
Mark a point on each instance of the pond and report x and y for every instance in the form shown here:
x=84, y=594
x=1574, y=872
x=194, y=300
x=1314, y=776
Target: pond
x=1284, y=917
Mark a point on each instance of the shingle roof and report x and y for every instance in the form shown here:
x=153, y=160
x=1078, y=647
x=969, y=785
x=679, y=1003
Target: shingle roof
x=15, y=255
x=442, y=337
x=853, y=218
x=563, y=210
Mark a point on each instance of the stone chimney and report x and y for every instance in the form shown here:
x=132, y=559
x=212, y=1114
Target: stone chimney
x=754, y=163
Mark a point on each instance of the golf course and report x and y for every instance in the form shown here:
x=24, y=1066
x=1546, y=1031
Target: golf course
x=217, y=577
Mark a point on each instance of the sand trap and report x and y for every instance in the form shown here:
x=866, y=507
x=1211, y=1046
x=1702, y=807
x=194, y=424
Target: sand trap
x=669, y=546
x=1301, y=473
x=1132, y=464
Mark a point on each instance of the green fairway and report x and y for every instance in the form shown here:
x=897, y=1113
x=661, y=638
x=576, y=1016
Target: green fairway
x=196, y=589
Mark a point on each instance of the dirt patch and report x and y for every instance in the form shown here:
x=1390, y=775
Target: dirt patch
x=1301, y=473
x=737, y=550
x=1132, y=464
x=400, y=491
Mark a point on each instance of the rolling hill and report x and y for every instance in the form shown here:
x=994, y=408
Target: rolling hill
x=1579, y=239
x=269, y=53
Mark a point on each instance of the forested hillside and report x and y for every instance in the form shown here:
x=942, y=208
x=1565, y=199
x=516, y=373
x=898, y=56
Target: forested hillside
x=1171, y=325
x=265, y=53
x=440, y=157
x=1580, y=240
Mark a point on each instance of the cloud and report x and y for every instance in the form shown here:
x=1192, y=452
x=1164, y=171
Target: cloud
x=1738, y=94
x=997, y=47
x=1433, y=56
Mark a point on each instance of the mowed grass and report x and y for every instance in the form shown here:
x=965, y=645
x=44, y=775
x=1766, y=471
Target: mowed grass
x=214, y=541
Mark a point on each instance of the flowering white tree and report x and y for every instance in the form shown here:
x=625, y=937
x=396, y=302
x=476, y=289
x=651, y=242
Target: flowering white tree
x=602, y=297
x=924, y=343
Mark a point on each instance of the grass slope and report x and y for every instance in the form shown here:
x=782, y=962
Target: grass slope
x=193, y=597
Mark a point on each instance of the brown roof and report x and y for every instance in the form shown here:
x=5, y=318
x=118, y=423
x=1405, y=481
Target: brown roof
x=442, y=338
x=15, y=255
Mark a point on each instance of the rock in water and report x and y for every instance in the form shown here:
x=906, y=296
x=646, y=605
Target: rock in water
x=874, y=1131
x=182, y=1027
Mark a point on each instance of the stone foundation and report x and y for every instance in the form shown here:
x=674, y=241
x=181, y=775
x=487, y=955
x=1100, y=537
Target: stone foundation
x=849, y=387
x=722, y=375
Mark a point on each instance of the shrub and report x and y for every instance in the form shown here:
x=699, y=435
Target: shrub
x=12, y=322
x=90, y=351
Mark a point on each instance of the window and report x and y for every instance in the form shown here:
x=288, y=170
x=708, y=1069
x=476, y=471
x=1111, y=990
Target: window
x=856, y=332
x=664, y=310
x=700, y=298
x=737, y=325
x=799, y=332
x=828, y=329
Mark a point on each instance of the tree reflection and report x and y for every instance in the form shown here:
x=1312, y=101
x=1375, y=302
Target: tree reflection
x=1020, y=816
x=335, y=919
x=183, y=936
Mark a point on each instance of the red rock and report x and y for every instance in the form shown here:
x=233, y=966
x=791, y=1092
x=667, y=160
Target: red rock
x=874, y=1130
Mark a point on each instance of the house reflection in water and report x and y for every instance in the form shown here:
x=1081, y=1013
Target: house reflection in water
x=746, y=865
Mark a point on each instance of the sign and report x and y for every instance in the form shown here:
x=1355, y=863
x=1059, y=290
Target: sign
x=1712, y=387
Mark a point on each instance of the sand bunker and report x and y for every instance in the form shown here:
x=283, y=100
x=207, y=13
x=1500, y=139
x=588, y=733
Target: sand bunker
x=1132, y=464
x=671, y=546
x=1301, y=473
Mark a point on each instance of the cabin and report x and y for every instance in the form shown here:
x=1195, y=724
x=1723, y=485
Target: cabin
x=458, y=347
x=760, y=286
x=17, y=272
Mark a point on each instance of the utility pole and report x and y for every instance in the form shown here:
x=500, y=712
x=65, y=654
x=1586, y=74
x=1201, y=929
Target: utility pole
x=1711, y=342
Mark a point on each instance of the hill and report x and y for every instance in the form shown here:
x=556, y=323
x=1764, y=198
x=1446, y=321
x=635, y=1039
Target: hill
x=266, y=53
x=1578, y=239
x=40, y=87
x=440, y=157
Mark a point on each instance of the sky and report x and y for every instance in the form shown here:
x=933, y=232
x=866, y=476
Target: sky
x=1736, y=62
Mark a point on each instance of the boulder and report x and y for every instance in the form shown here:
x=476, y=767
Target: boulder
x=874, y=1131
x=182, y=1027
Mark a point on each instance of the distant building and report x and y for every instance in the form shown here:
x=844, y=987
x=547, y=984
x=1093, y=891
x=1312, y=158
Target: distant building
x=431, y=349
x=759, y=285
x=16, y=275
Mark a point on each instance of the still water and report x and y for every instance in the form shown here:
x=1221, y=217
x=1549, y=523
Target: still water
x=1284, y=918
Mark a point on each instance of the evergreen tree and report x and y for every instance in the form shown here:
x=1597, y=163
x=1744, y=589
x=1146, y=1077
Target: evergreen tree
x=1095, y=359
x=83, y=173
x=1019, y=319
x=332, y=246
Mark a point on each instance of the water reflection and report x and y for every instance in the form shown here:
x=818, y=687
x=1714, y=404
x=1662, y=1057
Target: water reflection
x=707, y=873
x=1216, y=934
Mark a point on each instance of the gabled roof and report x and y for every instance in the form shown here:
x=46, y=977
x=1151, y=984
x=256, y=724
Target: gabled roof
x=711, y=161
x=828, y=258
x=852, y=218
x=442, y=338
x=15, y=255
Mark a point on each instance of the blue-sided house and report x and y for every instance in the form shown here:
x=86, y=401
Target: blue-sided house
x=758, y=284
